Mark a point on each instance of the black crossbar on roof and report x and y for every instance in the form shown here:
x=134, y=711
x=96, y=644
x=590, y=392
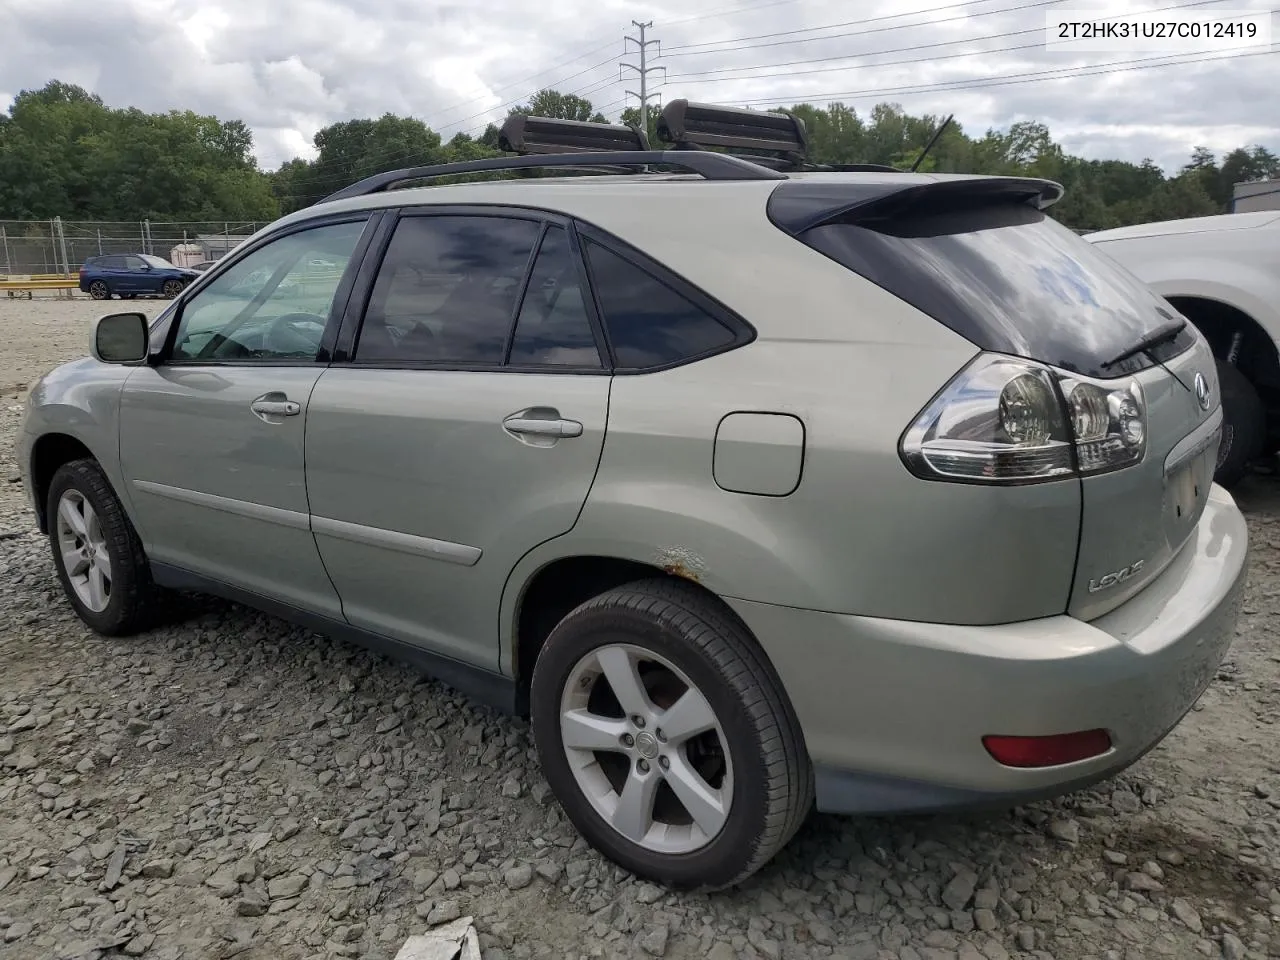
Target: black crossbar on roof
x=708, y=165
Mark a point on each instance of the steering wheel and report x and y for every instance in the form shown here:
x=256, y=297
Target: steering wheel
x=285, y=337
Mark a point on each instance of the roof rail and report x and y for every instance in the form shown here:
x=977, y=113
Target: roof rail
x=710, y=166
x=779, y=163
x=528, y=135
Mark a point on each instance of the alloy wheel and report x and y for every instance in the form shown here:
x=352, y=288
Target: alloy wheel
x=646, y=749
x=83, y=546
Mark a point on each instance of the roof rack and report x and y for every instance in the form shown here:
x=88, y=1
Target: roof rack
x=698, y=125
x=529, y=135
x=710, y=166
x=780, y=136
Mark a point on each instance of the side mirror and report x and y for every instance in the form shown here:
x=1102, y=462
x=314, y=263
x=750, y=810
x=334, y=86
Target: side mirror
x=120, y=338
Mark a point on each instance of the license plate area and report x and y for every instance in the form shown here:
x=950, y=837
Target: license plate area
x=1186, y=491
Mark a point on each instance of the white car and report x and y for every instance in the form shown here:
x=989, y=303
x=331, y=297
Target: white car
x=1223, y=274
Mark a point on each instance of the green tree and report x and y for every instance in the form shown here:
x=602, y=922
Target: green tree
x=560, y=106
x=63, y=152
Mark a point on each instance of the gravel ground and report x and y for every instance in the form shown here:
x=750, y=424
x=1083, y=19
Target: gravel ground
x=232, y=786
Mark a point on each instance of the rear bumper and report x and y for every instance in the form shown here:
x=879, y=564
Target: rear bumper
x=894, y=712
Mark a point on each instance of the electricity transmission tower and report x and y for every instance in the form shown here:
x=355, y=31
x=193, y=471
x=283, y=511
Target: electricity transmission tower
x=643, y=70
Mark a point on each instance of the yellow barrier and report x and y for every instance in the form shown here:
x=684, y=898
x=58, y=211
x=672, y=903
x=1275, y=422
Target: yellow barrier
x=27, y=284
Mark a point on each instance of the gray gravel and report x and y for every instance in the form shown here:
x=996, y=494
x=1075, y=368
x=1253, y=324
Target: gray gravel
x=232, y=786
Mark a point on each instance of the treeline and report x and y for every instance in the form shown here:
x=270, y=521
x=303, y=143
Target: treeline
x=65, y=153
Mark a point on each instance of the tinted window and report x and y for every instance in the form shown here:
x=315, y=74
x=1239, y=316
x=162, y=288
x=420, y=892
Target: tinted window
x=134, y=263
x=446, y=291
x=271, y=305
x=553, y=327
x=110, y=263
x=649, y=324
x=1010, y=279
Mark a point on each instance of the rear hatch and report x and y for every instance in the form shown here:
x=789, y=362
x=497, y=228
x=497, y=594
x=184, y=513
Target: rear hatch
x=981, y=256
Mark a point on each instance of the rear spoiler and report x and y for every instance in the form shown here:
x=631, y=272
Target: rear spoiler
x=800, y=205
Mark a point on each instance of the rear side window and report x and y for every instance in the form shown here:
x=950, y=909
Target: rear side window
x=650, y=324
x=110, y=263
x=447, y=290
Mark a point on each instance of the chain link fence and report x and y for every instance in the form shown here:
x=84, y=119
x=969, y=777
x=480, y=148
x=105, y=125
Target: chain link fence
x=60, y=246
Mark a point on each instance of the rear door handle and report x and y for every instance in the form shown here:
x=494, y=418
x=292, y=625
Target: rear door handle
x=272, y=405
x=548, y=426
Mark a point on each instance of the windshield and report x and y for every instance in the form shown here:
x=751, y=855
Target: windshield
x=157, y=261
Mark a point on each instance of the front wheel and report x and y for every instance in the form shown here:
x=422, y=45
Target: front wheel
x=99, y=290
x=97, y=553
x=667, y=738
x=171, y=289
x=1244, y=425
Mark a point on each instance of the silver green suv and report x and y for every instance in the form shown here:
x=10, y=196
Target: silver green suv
x=757, y=486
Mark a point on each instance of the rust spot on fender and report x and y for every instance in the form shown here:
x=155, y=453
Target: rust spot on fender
x=680, y=562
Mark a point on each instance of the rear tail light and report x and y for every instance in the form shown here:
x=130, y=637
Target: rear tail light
x=1052, y=751
x=1010, y=421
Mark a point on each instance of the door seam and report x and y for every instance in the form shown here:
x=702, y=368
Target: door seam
x=306, y=493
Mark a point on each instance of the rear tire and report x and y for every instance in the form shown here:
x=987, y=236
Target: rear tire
x=97, y=554
x=754, y=782
x=99, y=290
x=1244, y=425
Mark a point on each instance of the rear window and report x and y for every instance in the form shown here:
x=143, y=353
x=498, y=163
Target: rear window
x=1010, y=279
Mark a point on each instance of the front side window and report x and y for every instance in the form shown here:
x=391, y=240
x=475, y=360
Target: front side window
x=447, y=290
x=649, y=324
x=135, y=264
x=271, y=305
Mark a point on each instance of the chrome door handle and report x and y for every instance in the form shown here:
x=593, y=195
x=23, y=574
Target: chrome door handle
x=275, y=404
x=536, y=427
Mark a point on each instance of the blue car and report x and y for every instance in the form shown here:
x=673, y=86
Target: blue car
x=131, y=275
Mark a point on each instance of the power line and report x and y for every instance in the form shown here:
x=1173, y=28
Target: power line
x=674, y=51
x=729, y=11
x=705, y=76
x=515, y=83
x=854, y=23
x=1115, y=66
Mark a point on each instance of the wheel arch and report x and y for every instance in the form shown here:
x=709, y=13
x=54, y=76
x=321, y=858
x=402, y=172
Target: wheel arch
x=1220, y=321
x=540, y=599
x=49, y=452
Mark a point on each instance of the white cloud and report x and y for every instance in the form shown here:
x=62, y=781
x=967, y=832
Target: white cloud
x=288, y=67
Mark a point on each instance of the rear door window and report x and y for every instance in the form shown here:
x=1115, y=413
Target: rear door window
x=447, y=290
x=649, y=324
x=554, y=328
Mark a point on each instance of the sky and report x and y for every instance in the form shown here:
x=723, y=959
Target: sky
x=289, y=67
